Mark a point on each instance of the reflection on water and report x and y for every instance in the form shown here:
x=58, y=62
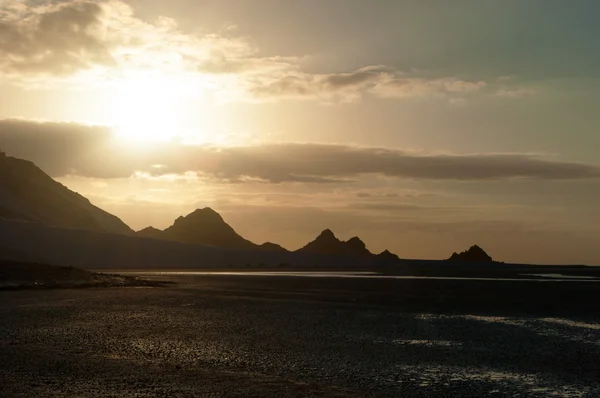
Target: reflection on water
x=428, y=343
x=366, y=275
x=562, y=276
x=558, y=330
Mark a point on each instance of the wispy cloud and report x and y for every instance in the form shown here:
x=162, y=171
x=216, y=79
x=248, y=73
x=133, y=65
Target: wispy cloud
x=376, y=80
x=515, y=92
x=341, y=86
x=400, y=87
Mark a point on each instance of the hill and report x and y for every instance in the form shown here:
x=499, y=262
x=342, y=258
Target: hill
x=327, y=243
x=29, y=194
x=206, y=227
x=41, y=220
x=387, y=257
x=474, y=254
x=150, y=232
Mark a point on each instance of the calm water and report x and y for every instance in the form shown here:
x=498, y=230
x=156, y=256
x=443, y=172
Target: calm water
x=366, y=275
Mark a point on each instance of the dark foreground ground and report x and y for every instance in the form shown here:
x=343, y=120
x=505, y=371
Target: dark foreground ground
x=294, y=336
x=15, y=275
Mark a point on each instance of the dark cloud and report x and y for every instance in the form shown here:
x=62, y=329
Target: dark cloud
x=68, y=148
x=357, y=78
x=303, y=85
x=285, y=162
x=57, y=39
x=381, y=81
x=62, y=148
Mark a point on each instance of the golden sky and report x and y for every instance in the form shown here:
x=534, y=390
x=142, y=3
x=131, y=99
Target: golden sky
x=422, y=127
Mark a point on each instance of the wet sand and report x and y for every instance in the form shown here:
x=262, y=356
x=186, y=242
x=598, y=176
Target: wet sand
x=225, y=335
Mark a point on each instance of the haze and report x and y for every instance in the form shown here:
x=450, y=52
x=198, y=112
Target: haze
x=421, y=126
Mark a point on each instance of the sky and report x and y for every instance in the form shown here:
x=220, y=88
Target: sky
x=421, y=126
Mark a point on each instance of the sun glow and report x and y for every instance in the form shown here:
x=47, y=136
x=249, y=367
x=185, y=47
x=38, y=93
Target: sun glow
x=157, y=106
x=149, y=108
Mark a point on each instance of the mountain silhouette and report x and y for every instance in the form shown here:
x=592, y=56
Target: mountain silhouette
x=150, y=232
x=29, y=194
x=387, y=257
x=474, y=254
x=206, y=227
x=273, y=247
x=327, y=243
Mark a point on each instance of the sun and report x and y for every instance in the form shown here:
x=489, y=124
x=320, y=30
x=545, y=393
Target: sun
x=148, y=108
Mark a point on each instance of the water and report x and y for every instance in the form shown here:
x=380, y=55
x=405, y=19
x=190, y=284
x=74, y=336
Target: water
x=366, y=275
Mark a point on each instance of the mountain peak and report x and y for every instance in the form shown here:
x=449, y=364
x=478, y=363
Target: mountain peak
x=206, y=227
x=387, y=257
x=150, y=228
x=356, y=243
x=205, y=213
x=201, y=216
x=474, y=254
x=150, y=232
x=205, y=210
x=327, y=234
x=272, y=247
x=327, y=243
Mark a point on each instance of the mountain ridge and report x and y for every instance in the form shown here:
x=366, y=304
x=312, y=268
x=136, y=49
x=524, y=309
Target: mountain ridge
x=55, y=205
x=29, y=194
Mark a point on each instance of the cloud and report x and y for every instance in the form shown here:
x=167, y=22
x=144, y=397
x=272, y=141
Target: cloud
x=419, y=87
x=515, y=92
x=57, y=39
x=69, y=148
x=388, y=195
x=83, y=42
x=324, y=86
x=220, y=64
x=62, y=148
x=295, y=162
x=67, y=38
x=377, y=80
